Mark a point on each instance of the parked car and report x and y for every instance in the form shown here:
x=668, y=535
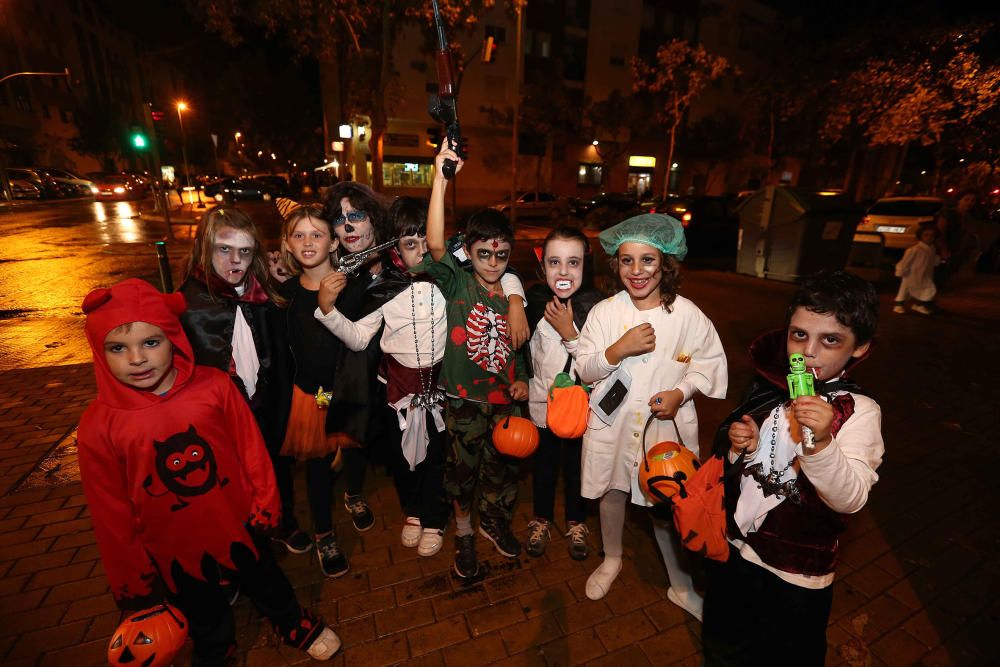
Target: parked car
x=47, y=186
x=238, y=189
x=896, y=220
x=83, y=187
x=618, y=202
x=276, y=186
x=118, y=187
x=711, y=224
x=25, y=189
x=537, y=205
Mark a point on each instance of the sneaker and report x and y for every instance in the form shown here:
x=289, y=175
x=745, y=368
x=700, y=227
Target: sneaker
x=898, y=308
x=578, y=533
x=501, y=537
x=920, y=308
x=332, y=560
x=324, y=646
x=538, y=537
x=466, y=565
x=412, y=532
x=361, y=514
x=296, y=541
x=688, y=600
x=430, y=541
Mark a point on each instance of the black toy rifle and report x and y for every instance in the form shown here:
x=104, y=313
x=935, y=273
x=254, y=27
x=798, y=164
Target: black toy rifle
x=443, y=106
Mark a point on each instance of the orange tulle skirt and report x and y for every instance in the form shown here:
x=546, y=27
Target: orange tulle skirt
x=306, y=436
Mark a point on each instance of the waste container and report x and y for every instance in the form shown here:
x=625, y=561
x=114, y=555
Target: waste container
x=786, y=233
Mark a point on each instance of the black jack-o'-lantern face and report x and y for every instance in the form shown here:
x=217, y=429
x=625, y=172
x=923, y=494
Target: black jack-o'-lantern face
x=186, y=464
x=150, y=638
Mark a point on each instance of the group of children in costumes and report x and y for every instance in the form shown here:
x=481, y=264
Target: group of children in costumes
x=207, y=397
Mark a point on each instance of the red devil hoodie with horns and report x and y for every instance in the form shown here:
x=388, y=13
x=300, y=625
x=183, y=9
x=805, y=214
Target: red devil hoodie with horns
x=172, y=480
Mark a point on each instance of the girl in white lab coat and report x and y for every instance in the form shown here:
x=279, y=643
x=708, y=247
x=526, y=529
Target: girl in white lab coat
x=646, y=351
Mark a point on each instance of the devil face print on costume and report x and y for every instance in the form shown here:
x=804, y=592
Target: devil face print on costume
x=488, y=340
x=186, y=467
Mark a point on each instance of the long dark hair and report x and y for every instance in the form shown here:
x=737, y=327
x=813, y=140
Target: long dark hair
x=362, y=198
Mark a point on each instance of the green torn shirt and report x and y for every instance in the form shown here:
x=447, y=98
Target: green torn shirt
x=480, y=362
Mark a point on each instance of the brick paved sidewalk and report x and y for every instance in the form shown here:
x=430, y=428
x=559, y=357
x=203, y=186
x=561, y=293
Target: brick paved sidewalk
x=917, y=584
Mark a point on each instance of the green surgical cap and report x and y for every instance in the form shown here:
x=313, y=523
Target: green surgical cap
x=653, y=229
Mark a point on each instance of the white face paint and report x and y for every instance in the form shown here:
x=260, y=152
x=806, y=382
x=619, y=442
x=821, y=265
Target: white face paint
x=412, y=249
x=563, y=265
x=640, y=268
x=232, y=254
x=826, y=344
x=354, y=228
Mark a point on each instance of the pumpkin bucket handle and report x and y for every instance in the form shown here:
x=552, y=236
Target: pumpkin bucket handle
x=680, y=440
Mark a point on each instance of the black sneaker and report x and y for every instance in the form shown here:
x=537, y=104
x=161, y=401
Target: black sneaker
x=578, y=533
x=332, y=560
x=466, y=565
x=361, y=514
x=538, y=537
x=499, y=534
x=296, y=541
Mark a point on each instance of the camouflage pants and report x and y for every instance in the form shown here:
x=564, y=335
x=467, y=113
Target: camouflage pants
x=473, y=461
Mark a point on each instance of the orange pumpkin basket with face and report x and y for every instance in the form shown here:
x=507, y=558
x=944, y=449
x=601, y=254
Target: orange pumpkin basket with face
x=515, y=436
x=666, y=467
x=152, y=638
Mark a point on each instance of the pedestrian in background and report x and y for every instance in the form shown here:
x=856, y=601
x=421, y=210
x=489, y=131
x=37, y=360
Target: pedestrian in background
x=916, y=271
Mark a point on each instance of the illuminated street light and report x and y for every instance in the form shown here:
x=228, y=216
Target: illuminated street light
x=181, y=108
x=674, y=165
x=273, y=156
x=923, y=173
x=260, y=153
x=237, y=135
x=345, y=131
x=595, y=142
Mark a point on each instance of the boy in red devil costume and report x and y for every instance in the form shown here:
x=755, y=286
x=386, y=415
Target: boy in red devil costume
x=178, y=479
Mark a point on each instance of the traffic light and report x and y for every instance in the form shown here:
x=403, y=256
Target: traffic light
x=434, y=136
x=139, y=141
x=489, y=49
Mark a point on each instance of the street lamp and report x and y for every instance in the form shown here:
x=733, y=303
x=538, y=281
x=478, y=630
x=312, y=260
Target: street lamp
x=181, y=108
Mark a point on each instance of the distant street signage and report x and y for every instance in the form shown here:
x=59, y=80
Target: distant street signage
x=647, y=161
x=408, y=140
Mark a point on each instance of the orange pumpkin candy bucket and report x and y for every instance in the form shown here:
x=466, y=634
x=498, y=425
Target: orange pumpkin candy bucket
x=666, y=467
x=515, y=436
x=152, y=637
x=567, y=407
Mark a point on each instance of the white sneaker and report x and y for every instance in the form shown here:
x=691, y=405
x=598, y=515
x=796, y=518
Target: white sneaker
x=411, y=532
x=688, y=600
x=430, y=542
x=600, y=581
x=324, y=646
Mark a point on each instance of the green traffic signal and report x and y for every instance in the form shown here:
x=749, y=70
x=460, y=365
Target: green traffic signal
x=139, y=140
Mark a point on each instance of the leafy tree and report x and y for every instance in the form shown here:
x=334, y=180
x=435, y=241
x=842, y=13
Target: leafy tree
x=614, y=121
x=677, y=77
x=356, y=35
x=939, y=91
x=101, y=130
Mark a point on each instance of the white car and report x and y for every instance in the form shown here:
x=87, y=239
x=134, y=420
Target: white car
x=896, y=220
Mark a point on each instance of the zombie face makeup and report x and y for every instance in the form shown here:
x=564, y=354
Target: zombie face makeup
x=354, y=228
x=826, y=344
x=232, y=254
x=309, y=242
x=489, y=260
x=412, y=249
x=563, y=266
x=640, y=268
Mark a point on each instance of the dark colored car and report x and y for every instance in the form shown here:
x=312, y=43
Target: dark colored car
x=242, y=189
x=711, y=224
x=25, y=189
x=118, y=187
x=47, y=186
x=72, y=183
x=616, y=202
